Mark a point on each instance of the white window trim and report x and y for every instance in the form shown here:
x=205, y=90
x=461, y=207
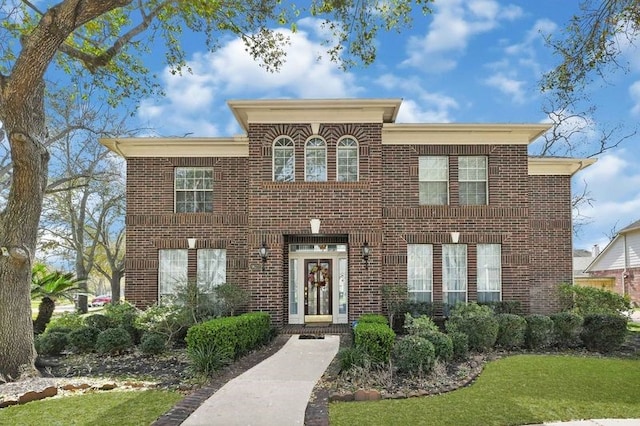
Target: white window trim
x=273, y=157
x=485, y=180
x=357, y=149
x=479, y=267
x=176, y=190
x=446, y=180
x=326, y=166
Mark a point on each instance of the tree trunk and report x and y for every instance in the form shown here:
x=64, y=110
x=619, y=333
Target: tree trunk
x=45, y=312
x=116, y=275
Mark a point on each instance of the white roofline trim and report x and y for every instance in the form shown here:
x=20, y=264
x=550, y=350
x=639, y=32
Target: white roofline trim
x=549, y=166
x=178, y=147
x=601, y=254
x=461, y=134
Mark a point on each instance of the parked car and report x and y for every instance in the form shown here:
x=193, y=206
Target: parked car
x=100, y=300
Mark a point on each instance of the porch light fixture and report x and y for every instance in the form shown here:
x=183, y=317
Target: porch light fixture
x=263, y=251
x=191, y=242
x=366, y=252
x=455, y=237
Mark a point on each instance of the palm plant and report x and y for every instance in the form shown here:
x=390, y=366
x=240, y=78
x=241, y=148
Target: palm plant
x=50, y=286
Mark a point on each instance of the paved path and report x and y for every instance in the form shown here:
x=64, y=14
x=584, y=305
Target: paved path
x=274, y=392
x=598, y=422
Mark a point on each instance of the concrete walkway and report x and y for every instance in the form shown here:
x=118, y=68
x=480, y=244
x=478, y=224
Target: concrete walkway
x=598, y=422
x=274, y=392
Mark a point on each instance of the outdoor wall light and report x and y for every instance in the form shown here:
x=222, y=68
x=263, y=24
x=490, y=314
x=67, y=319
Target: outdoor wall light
x=366, y=252
x=263, y=251
x=191, y=243
x=455, y=237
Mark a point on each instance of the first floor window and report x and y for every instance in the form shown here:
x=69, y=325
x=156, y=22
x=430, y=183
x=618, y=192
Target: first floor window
x=212, y=268
x=194, y=189
x=433, y=176
x=172, y=272
x=489, y=272
x=420, y=272
x=454, y=273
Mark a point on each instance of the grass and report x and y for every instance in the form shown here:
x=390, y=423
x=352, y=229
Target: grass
x=517, y=390
x=121, y=408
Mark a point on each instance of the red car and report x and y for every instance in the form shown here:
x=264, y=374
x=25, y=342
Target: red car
x=100, y=300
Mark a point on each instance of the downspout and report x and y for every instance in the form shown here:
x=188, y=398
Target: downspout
x=625, y=274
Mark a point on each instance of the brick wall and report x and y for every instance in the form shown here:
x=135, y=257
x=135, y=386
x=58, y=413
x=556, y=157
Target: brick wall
x=629, y=285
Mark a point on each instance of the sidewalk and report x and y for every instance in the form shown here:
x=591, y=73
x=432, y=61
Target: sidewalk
x=274, y=392
x=598, y=422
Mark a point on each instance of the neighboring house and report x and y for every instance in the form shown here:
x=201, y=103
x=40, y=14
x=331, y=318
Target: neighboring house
x=323, y=202
x=620, y=260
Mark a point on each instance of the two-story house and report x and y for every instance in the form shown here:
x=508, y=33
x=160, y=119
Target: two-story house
x=322, y=202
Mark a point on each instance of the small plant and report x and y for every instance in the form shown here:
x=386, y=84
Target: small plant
x=99, y=321
x=70, y=320
x=113, y=341
x=539, y=331
x=163, y=319
x=51, y=343
x=591, y=300
x=414, y=355
x=153, y=343
x=353, y=357
x=123, y=314
x=207, y=359
x=477, y=322
x=231, y=298
x=460, y=343
x=83, y=339
x=393, y=298
x=604, y=332
x=567, y=327
x=419, y=326
x=512, y=330
x=442, y=344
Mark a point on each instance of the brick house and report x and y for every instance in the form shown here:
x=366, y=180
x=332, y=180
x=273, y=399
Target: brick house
x=322, y=202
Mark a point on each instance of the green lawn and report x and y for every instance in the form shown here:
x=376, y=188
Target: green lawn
x=133, y=408
x=516, y=390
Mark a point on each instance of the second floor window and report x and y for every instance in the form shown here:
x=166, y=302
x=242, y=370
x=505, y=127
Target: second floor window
x=347, y=161
x=315, y=160
x=472, y=175
x=193, y=189
x=434, y=180
x=284, y=160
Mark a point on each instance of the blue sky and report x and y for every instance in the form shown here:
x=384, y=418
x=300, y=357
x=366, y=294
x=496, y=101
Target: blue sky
x=470, y=61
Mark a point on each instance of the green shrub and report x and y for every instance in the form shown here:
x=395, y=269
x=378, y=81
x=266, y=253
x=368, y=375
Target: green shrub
x=353, y=357
x=477, y=322
x=375, y=339
x=83, y=339
x=153, y=343
x=51, y=343
x=460, y=343
x=604, y=332
x=124, y=315
x=207, y=359
x=566, y=329
x=373, y=318
x=230, y=298
x=99, y=321
x=59, y=329
x=442, y=344
x=591, y=300
x=113, y=341
x=505, y=307
x=414, y=355
x=70, y=320
x=539, y=331
x=419, y=326
x=511, y=331
x=167, y=320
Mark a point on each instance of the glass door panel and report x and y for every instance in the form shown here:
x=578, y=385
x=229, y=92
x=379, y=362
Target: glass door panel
x=318, y=289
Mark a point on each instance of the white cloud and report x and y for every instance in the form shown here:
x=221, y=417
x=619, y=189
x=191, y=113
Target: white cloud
x=509, y=86
x=230, y=72
x=634, y=92
x=454, y=23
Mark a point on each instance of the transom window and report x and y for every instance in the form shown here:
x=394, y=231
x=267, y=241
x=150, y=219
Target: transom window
x=193, y=189
x=315, y=160
x=472, y=175
x=420, y=272
x=454, y=273
x=347, y=164
x=284, y=160
x=434, y=180
x=489, y=272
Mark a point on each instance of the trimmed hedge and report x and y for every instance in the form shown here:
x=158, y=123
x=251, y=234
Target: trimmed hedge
x=566, y=329
x=414, y=354
x=375, y=339
x=460, y=343
x=604, y=332
x=229, y=336
x=477, y=322
x=441, y=343
x=113, y=341
x=540, y=331
x=511, y=331
x=83, y=339
x=373, y=318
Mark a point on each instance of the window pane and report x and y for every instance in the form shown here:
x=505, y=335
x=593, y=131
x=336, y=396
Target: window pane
x=172, y=271
x=454, y=273
x=420, y=272
x=473, y=193
x=315, y=160
x=347, y=163
x=284, y=160
x=433, y=193
x=193, y=189
x=433, y=175
x=212, y=267
x=489, y=272
x=472, y=174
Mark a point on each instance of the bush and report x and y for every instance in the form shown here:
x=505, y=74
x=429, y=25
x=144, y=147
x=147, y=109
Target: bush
x=230, y=298
x=566, y=329
x=83, y=339
x=113, y=341
x=419, y=326
x=99, y=321
x=70, y=320
x=124, y=315
x=505, y=307
x=477, y=322
x=511, y=331
x=604, y=332
x=59, y=329
x=591, y=300
x=353, y=357
x=51, y=343
x=460, y=343
x=375, y=339
x=153, y=343
x=539, y=331
x=163, y=319
x=373, y=318
x=207, y=359
x=414, y=355
x=442, y=344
